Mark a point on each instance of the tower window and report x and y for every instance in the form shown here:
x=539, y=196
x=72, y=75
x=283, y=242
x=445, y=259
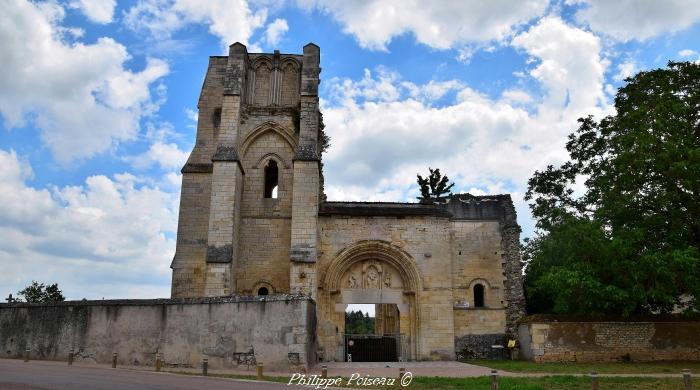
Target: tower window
x=216, y=117
x=263, y=291
x=271, y=180
x=479, y=295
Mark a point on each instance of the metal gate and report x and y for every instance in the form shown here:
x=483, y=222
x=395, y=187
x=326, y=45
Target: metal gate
x=374, y=348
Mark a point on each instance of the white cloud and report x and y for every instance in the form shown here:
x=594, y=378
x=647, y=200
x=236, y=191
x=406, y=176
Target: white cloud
x=625, y=70
x=275, y=31
x=515, y=96
x=162, y=151
x=633, y=19
x=441, y=24
x=118, y=231
x=688, y=53
x=168, y=156
x=98, y=11
x=230, y=20
x=384, y=130
x=80, y=96
x=192, y=115
x=569, y=66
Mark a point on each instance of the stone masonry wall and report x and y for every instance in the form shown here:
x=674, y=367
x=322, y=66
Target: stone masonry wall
x=281, y=329
x=265, y=222
x=424, y=239
x=188, y=265
x=476, y=253
x=609, y=341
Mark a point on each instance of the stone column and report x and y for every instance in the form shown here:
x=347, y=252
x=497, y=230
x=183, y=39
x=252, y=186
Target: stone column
x=227, y=182
x=305, y=198
x=512, y=268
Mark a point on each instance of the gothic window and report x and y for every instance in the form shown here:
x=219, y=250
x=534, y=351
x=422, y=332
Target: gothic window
x=263, y=291
x=478, y=295
x=262, y=85
x=271, y=177
x=290, y=82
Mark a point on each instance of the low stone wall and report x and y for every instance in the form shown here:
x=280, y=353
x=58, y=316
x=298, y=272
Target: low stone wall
x=280, y=328
x=481, y=346
x=609, y=341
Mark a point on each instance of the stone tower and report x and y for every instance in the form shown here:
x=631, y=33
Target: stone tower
x=248, y=218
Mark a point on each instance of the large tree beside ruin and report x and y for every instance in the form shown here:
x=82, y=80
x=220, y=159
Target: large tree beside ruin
x=629, y=243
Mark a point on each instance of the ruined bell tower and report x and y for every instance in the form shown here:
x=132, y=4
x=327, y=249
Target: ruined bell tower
x=248, y=220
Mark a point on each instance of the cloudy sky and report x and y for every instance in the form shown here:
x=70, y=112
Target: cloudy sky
x=98, y=108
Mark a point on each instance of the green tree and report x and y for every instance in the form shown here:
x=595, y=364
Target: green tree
x=433, y=186
x=38, y=292
x=630, y=243
x=357, y=322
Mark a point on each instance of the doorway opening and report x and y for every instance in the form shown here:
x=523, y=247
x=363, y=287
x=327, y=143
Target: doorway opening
x=372, y=333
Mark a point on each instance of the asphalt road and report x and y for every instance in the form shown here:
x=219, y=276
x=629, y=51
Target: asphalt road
x=41, y=375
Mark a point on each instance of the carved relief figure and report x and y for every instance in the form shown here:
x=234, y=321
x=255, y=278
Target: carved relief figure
x=372, y=278
x=387, y=280
x=352, y=281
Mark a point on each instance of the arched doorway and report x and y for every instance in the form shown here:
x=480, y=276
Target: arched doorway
x=372, y=272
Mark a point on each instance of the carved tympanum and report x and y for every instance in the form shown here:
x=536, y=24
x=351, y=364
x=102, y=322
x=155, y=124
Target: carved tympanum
x=352, y=281
x=387, y=280
x=372, y=279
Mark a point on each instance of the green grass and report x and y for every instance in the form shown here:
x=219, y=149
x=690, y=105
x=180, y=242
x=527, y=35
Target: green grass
x=563, y=382
x=548, y=383
x=669, y=367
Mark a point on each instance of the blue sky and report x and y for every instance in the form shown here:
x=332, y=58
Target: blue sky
x=98, y=108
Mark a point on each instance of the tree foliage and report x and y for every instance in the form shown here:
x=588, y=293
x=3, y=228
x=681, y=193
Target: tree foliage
x=40, y=293
x=358, y=322
x=433, y=186
x=629, y=243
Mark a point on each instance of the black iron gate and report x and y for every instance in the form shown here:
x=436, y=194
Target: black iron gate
x=373, y=348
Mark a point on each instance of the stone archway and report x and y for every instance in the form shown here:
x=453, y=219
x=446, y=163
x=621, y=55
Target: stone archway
x=374, y=272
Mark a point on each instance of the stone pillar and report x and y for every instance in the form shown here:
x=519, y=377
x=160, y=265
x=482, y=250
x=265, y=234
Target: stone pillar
x=227, y=182
x=305, y=198
x=512, y=269
x=189, y=265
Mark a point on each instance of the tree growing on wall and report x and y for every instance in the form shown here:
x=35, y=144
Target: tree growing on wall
x=630, y=242
x=433, y=186
x=38, y=292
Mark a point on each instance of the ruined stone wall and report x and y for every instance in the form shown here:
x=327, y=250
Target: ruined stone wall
x=609, y=341
x=265, y=222
x=189, y=266
x=426, y=240
x=476, y=251
x=280, y=328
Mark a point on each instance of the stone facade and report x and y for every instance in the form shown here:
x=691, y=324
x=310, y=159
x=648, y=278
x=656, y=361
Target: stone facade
x=280, y=328
x=445, y=275
x=579, y=341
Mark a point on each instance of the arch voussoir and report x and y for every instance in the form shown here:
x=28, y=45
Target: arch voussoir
x=373, y=250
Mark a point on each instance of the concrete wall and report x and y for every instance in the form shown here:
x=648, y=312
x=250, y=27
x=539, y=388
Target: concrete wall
x=184, y=330
x=609, y=341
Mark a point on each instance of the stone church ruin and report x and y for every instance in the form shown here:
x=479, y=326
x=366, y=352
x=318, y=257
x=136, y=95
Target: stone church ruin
x=445, y=277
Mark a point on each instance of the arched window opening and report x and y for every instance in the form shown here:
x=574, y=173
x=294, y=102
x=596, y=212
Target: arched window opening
x=263, y=291
x=479, y=295
x=271, y=180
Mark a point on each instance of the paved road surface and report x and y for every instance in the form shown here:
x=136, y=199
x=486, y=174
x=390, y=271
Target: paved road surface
x=41, y=375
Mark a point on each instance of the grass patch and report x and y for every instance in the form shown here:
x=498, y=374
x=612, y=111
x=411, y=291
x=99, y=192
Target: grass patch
x=669, y=367
x=548, y=383
x=563, y=382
